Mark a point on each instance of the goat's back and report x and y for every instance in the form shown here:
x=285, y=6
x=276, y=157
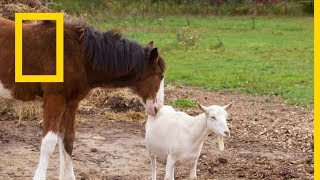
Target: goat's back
x=163, y=131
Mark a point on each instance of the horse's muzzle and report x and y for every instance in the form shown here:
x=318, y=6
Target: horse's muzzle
x=152, y=107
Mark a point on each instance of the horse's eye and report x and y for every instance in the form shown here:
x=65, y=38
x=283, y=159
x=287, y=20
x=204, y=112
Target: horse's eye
x=161, y=77
x=212, y=117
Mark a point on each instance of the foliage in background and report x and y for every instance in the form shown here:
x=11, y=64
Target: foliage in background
x=275, y=58
x=187, y=37
x=122, y=8
x=261, y=55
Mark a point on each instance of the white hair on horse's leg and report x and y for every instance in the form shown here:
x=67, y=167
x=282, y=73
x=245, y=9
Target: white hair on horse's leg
x=160, y=93
x=66, y=168
x=48, y=145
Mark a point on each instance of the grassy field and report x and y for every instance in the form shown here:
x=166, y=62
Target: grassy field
x=227, y=54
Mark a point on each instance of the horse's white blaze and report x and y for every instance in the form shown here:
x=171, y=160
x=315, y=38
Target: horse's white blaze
x=160, y=93
x=66, y=168
x=154, y=105
x=48, y=144
x=5, y=93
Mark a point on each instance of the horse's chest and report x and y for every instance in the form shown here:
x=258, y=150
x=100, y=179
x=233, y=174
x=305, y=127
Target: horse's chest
x=5, y=93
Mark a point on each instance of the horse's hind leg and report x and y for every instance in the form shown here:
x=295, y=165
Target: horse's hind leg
x=54, y=106
x=66, y=141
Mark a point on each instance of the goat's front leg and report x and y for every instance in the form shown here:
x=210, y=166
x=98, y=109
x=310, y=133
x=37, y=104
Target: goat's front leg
x=170, y=168
x=153, y=166
x=172, y=174
x=193, y=170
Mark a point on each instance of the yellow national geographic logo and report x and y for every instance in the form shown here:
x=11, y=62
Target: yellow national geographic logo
x=58, y=17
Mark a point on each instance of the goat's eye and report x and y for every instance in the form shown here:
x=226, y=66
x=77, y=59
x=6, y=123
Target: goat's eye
x=212, y=117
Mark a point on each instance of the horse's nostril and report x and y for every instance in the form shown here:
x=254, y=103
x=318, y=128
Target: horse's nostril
x=155, y=110
x=227, y=133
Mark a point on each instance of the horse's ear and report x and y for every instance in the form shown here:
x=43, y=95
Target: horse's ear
x=228, y=106
x=154, y=55
x=150, y=46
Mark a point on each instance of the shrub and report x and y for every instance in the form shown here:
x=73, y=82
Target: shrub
x=187, y=37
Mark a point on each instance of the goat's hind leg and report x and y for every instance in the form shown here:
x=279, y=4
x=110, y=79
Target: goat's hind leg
x=153, y=166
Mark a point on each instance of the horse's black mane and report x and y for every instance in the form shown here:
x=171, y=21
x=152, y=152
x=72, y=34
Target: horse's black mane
x=108, y=51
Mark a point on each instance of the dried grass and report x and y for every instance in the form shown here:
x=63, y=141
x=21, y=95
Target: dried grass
x=112, y=104
x=125, y=116
x=5, y=105
x=22, y=110
x=10, y=7
x=31, y=3
x=115, y=104
x=31, y=110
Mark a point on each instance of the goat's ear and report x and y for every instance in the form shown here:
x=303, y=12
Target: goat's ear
x=202, y=108
x=228, y=106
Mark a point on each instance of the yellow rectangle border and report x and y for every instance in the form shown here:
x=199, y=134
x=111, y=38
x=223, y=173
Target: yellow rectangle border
x=316, y=126
x=58, y=17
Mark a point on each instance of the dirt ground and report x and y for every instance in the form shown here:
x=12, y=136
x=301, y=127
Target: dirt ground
x=269, y=140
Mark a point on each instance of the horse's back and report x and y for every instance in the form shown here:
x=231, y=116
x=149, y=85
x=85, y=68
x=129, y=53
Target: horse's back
x=5, y=21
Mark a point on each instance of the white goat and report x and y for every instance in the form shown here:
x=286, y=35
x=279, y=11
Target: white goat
x=178, y=137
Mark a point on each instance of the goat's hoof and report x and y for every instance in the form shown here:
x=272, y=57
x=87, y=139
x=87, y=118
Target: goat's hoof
x=70, y=177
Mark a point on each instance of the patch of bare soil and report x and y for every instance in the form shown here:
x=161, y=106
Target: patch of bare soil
x=269, y=140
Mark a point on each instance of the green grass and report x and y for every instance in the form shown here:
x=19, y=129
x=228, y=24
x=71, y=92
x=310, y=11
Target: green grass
x=184, y=103
x=276, y=58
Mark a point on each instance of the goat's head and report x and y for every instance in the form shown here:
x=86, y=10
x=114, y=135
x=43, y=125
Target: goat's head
x=216, y=117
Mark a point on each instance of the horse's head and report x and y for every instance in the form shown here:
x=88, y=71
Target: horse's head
x=148, y=84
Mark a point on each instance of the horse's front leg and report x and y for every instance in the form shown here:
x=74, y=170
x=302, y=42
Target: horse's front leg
x=66, y=141
x=54, y=106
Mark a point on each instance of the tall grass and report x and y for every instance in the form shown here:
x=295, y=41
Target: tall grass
x=275, y=58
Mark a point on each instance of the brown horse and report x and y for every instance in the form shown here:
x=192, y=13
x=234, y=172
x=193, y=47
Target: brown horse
x=91, y=59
